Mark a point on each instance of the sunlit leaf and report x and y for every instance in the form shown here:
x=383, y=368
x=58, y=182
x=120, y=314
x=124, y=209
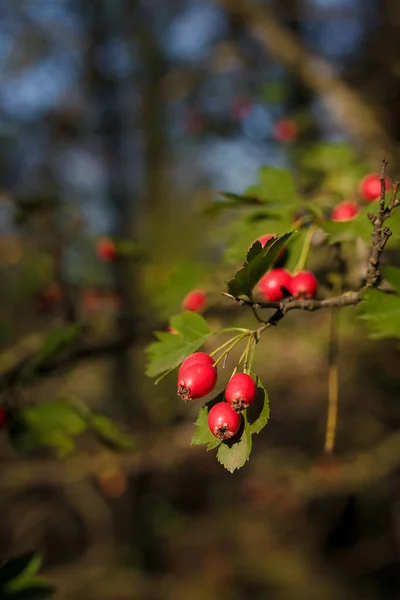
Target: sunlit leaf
x=171, y=349
x=258, y=261
x=381, y=313
x=233, y=454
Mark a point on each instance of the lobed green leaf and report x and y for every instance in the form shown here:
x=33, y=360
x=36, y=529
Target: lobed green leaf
x=171, y=349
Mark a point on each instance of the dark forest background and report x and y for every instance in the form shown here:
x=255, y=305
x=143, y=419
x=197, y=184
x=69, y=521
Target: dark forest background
x=121, y=119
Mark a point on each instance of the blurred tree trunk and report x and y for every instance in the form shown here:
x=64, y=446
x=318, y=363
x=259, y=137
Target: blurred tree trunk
x=111, y=96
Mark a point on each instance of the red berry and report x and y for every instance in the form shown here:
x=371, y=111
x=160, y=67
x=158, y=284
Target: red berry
x=263, y=239
x=285, y=130
x=345, y=211
x=106, y=249
x=197, y=381
x=172, y=330
x=241, y=391
x=241, y=108
x=304, y=284
x=223, y=421
x=271, y=283
x=50, y=297
x=370, y=187
x=195, y=301
x=3, y=417
x=195, y=122
x=194, y=359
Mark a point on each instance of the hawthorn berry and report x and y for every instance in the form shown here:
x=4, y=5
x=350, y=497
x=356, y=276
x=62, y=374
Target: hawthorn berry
x=285, y=130
x=106, y=249
x=241, y=391
x=345, y=211
x=197, y=381
x=270, y=285
x=195, y=301
x=50, y=297
x=370, y=187
x=263, y=239
x=241, y=108
x=3, y=417
x=223, y=421
x=304, y=284
x=194, y=359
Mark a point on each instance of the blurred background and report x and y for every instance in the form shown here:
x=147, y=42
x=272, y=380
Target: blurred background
x=120, y=120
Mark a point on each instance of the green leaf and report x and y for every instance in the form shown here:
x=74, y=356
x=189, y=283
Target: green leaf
x=55, y=341
x=258, y=413
x=48, y=424
x=12, y=568
x=234, y=454
x=202, y=434
x=329, y=157
x=294, y=248
x=392, y=274
x=381, y=313
x=184, y=277
x=171, y=349
x=258, y=261
x=277, y=185
x=344, y=231
x=109, y=433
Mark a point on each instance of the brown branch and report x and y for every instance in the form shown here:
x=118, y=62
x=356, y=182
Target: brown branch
x=347, y=299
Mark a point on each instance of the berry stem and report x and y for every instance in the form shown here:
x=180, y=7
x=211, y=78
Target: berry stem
x=305, y=252
x=229, y=346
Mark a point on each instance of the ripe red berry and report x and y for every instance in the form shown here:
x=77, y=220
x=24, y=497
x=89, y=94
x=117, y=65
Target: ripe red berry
x=241, y=391
x=197, y=381
x=304, y=284
x=106, y=249
x=345, y=211
x=223, y=421
x=263, y=239
x=271, y=283
x=195, y=301
x=3, y=417
x=370, y=187
x=285, y=130
x=172, y=330
x=194, y=359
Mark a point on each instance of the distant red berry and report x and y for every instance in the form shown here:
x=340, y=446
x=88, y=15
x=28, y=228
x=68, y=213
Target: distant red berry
x=304, y=284
x=50, y=297
x=370, y=187
x=241, y=108
x=195, y=301
x=223, y=421
x=241, y=391
x=270, y=285
x=3, y=417
x=106, y=249
x=285, y=130
x=195, y=122
x=194, y=359
x=197, y=381
x=172, y=330
x=345, y=211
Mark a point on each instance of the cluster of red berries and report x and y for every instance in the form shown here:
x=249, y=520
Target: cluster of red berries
x=369, y=190
x=197, y=377
x=302, y=285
